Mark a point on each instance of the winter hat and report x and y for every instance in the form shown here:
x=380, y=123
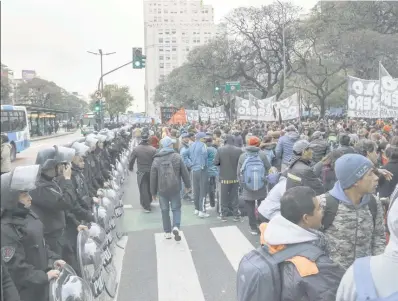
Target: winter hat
x=351, y=168
x=300, y=146
x=167, y=142
x=253, y=141
x=200, y=135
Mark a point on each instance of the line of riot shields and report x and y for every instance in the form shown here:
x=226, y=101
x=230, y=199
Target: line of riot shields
x=96, y=246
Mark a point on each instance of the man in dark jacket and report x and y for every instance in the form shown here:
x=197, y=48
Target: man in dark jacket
x=8, y=290
x=143, y=153
x=167, y=171
x=300, y=172
x=227, y=158
x=345, y=147
x=319, y=146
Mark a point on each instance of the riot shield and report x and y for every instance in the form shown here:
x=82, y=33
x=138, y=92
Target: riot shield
x=89, y=255
x=24, y=178
x=109, y=273
x=68, y=286
x=104, y=219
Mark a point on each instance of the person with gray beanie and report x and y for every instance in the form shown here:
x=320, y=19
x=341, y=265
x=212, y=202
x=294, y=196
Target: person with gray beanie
x=353, y=218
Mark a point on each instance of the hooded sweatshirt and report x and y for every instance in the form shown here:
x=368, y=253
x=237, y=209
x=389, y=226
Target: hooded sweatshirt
x=354, y=233
x=384, y=267
x=271, y=206
x=284, y=148
x=322, y=283
x=198, y=155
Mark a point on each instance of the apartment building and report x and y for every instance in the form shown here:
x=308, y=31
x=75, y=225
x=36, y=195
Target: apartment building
x=172, y=29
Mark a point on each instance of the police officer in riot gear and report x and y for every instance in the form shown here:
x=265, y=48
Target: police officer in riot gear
x=100, y=158
x=8, y=290
x=28, y=259
x=81, y=185
x=92, y=168
x=51, y=198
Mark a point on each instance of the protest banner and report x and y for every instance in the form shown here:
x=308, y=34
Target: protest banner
x=363, y=98
x=213, y=114
x=289, y=107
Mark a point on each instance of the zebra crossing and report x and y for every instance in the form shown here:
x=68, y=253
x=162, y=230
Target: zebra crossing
x=201, y=267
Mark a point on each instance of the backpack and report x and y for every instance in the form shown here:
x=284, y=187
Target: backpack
x=332, y=205
x=258, y=276
x=364, y=283
x=252, y=173
x=169, y=184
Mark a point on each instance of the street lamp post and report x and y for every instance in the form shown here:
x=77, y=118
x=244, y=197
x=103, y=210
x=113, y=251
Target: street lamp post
x=101, y=54
x=283, y=43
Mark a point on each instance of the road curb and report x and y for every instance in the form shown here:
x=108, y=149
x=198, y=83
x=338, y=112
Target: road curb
x=52, y=136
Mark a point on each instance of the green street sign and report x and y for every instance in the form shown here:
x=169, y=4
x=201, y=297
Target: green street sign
x=232, y=86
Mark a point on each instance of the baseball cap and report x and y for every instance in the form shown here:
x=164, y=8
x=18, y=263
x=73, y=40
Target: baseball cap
x=167, y=141
x=185, y=135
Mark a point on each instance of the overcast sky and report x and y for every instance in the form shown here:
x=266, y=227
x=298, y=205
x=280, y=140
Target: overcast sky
x=52, y=37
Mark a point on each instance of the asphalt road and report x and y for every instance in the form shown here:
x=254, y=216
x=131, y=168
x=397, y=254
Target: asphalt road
x=28, y=156
x=202, y=267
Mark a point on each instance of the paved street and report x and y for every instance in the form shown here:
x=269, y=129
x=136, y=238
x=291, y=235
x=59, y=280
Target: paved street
x=202, y=267
x=28, y=156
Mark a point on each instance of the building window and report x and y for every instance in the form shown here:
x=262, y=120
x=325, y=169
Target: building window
x=174, y=49
x=173, y=31
x=167, y=58
x=161, y=65
x=160, y=49
x=160, y=40
x=161, y=57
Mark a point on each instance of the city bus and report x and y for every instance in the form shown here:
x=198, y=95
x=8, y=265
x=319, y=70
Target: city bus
x=14, y=123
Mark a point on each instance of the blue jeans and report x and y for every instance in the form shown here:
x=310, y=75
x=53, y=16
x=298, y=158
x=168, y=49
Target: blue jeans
x=175, y=203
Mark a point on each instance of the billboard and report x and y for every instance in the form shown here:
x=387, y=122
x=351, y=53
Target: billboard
x=28, y=74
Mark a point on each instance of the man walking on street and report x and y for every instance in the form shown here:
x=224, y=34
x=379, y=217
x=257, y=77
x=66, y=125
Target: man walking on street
x=198, y=154
x=143, y=153
x=168, y=169
x=227, y=158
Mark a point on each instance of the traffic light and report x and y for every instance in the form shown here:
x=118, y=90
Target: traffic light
x=143, y=61
x=217, y=86
x=97, y=107
x=137, y=58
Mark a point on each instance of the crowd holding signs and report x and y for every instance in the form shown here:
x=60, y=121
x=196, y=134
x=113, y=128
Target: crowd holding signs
x=366, y=99
x=373, y=98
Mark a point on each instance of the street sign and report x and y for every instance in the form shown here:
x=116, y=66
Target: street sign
x=232, y=86
x=98, y=94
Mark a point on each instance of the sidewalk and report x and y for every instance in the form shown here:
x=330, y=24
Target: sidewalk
x=59, y=134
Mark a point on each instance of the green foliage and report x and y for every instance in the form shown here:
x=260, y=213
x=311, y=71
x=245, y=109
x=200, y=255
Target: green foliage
x=5, y=90
x=117, y=100
x=335, y=40
x=45, y=93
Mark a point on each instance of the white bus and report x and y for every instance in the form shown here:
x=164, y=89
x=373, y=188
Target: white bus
x=14, y=122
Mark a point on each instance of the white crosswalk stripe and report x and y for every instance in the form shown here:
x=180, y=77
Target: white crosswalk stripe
x=201, y=267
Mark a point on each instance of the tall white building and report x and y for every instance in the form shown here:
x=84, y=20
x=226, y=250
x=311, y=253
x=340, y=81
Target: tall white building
x=172, y=29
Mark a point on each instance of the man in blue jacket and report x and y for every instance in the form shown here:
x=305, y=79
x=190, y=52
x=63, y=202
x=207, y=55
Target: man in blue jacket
x=198, y=155
x=185, y=155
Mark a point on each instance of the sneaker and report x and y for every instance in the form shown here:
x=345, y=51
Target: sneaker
x=147, y=210
x=203, y=214
x=236, y=218
x=167, y=235
x=196, y=212
x=223, y=219
x=176, y=233
x=254, y=232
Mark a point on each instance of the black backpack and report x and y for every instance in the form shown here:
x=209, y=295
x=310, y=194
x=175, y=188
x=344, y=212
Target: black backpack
x=332, y=206
x=259, y=277
x=168, y=183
